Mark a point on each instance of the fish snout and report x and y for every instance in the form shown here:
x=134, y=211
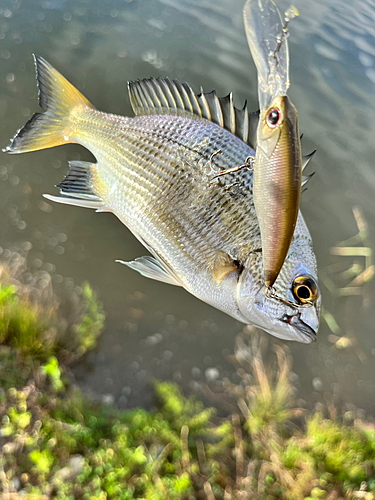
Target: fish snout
x=305, y=328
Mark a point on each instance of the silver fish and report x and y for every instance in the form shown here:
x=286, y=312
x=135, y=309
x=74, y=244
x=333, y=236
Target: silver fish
x=154, y=172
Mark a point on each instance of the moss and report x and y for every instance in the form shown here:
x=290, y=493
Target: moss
x=344, y=452
x=91, y=320
x=40, y=325
x=22, y=324
x=52, y=370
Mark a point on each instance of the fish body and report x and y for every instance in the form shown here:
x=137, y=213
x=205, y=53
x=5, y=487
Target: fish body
x=154, y=172
x=278, y=160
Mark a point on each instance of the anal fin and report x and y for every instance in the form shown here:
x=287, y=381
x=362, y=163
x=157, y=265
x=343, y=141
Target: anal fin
x=77, y=187
x=75, y=201
x=151, y=268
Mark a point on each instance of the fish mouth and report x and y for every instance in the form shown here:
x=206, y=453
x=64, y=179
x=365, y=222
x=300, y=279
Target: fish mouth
x=308, y=333
x=279, y=319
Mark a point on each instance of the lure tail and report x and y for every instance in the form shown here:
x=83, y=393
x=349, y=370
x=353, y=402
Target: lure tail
x=58, y=98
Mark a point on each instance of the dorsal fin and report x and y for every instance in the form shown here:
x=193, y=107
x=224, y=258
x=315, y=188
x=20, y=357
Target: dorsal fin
x=306, y=159
x=306, y=178
x=162, y=95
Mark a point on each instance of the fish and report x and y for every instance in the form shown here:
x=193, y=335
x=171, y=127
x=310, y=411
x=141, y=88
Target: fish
x=278, y=159
x=154, y=172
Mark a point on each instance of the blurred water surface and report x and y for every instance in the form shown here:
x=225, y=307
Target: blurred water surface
x=154, y=330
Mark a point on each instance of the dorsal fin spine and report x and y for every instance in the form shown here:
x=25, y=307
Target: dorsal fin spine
x=206, y=113
x=145, y=98
x=155, y=99
x=159, y=93
x=138, y=95
x=218, y=110
x=153, y=90
x=306, y=159
x=213, y=105
x=232, y=114
x=175, y=94
x=185, y=97
x=133, y=101
x=193, y=99
x=245, y=118
x=171, y=101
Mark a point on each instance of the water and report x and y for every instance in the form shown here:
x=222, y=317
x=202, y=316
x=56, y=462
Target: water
x=154, y=330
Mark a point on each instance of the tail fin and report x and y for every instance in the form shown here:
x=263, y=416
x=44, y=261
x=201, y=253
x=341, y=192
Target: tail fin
x=57, y=98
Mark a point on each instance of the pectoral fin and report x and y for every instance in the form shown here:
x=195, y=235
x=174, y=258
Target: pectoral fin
x=223, y=265
x=151, y=268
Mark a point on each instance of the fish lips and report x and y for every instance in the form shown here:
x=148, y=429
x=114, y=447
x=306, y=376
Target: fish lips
x=306, y=332
x=274, y=316
x=285, y=322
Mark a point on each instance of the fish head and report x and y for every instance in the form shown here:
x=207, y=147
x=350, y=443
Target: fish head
x=292, y=312
x=278, y=122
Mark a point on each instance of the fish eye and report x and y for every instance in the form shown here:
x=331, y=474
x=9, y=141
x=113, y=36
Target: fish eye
x=305, y=289
x=273, y=117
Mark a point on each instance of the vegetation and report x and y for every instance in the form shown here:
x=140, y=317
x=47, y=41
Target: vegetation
x=56, y=444
x=38, y=324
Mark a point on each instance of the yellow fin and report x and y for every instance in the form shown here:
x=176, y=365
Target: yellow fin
x=57, y=98
x=223, y=265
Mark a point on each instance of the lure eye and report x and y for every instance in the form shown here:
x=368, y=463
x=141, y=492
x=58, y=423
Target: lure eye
x=305, y=289
x=273, y=117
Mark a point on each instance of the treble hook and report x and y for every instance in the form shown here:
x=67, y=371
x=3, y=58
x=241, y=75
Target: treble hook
x=249, y=164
